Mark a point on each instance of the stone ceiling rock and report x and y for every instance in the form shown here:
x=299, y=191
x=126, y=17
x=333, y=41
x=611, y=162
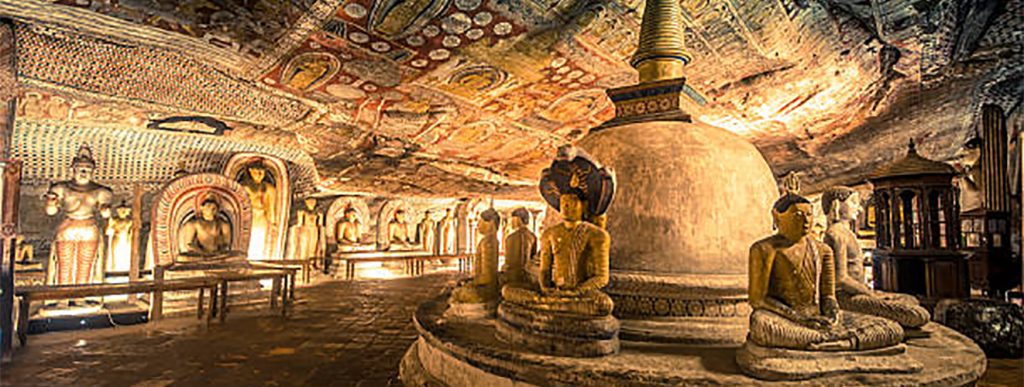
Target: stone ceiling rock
x=439, y=98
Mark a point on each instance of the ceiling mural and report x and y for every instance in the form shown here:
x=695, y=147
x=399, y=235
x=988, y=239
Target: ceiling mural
x=440, y=97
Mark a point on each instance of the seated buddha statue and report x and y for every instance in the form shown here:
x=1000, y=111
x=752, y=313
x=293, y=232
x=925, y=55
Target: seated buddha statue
x=792, y=291
x=841, y=205
x=567, y=313
x=482, y=288
x=207, y=237
x=348, y=229
x=398, y=230
x=573, y=266
x=520, y=248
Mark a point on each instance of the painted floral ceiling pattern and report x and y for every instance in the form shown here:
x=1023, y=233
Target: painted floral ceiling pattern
x=442, y=97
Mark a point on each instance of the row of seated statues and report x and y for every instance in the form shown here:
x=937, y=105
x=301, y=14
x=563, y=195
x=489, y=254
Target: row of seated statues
x=812, y=313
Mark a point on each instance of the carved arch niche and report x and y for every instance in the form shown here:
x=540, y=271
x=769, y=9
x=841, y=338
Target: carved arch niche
x=387, y=212
x=336, y=213
x=178, y=202
x=277, y=174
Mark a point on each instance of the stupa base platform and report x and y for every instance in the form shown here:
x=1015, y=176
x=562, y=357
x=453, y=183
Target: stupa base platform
x=469, y=353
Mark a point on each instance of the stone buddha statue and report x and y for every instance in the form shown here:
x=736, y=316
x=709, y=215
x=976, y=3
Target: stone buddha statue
x=307, y=233
x=842, y=205
x=797, y=329
x=520, y=248
x=482, y=289
x=573, y=266
x=425, y=233
x=207, y=236
x=77, y=241
x=119, y=239
x=263, y=195
x=348, y=230
x=792, y=291
x=567, y=313
x=398, y=230
x=447, y=228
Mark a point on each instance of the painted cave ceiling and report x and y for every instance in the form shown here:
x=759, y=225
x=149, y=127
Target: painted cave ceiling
x=448, y=97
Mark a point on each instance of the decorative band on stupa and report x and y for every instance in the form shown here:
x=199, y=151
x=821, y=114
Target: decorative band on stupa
x=659, y=59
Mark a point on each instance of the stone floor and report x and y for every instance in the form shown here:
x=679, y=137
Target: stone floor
x=339, y=334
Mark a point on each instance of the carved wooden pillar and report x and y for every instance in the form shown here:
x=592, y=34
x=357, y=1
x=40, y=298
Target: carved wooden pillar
x=994, y=178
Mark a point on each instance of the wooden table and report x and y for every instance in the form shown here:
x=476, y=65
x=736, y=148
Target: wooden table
x=414, y=260
x=29, y=294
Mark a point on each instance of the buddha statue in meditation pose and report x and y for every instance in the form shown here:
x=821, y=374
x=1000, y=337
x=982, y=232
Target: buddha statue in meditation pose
x=206, y=236
x=76, y=244
x=520, y=248
x=573, y=266
x=792, y=291
x=398, y=230
x=841, y=205
x=567, y=313
x=483, y=287
x=348, y=232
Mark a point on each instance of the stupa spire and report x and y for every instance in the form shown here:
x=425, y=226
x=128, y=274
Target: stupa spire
x=661, y=54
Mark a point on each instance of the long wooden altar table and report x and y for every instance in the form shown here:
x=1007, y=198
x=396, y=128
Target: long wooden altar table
x=414, y=260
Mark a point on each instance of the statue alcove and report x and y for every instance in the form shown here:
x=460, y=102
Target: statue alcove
x=336, y=214
x=176, y=203
x=277, y=177
x=384, y=218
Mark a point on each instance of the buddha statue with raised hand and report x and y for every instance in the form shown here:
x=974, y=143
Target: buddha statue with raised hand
x=568, y=314
x=841, y=205
x=796, y=321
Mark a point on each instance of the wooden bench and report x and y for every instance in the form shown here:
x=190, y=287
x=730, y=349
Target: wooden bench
x=30, y=294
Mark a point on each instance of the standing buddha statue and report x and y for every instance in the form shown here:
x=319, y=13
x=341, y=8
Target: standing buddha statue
x=567, y=314
x=425, y=233
x=119, y=239
x=307, y=235
x=263, y=195
x=76, y=245
x=841, y=205
x=447, y=228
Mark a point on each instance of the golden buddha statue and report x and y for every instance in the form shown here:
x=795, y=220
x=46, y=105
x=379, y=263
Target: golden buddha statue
x=398, y=230
x=24, y=252
x=483, y=287
x=348, y=230
x=567, y=314
x=447, y=228
x=307, y=234
x=573, y=266
x=206, y=236
x=425, y=233
x=263, y=195
x=841, y=205
x=119, y=239
x=792, y=291
x=520, y=248
x=76, y=245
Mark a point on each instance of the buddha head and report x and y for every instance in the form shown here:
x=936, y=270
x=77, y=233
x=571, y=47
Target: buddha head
x=571, y=206
x=489, y=222
x=350, y=215
x=520, y=218
x=399, y=216
x=448, y=213
x=208, y=209
x=257, y=172
x=310, y=204
x=83, y=166
x=426, y=216
x=841, y=203
x=123, y=211
x=794, y=215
